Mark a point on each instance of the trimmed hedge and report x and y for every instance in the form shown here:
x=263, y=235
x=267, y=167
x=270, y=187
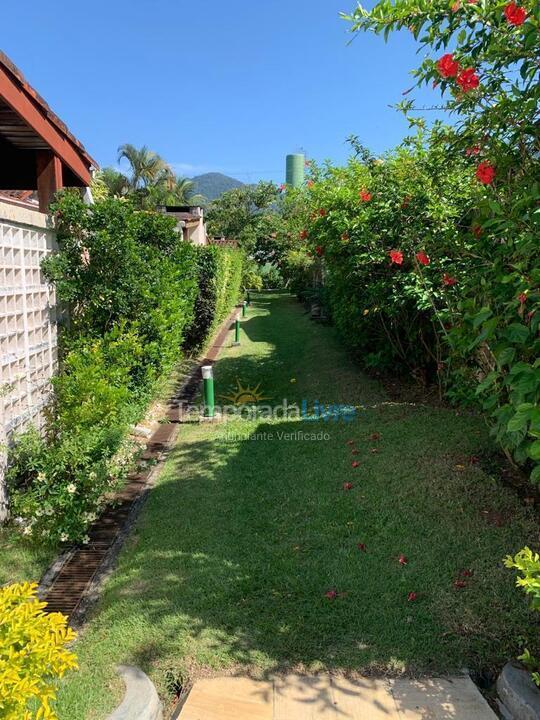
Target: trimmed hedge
x=137, y=294
x=219, y=272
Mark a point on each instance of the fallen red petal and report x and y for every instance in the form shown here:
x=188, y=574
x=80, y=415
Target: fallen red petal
x=331, y=594
x=402, y=560
x=347, y=486
x=412, y=596
x=460, y=584
x=362, y=547
x=355, y=464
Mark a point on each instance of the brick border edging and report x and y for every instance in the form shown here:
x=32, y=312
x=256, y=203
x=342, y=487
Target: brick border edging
x=73, y=582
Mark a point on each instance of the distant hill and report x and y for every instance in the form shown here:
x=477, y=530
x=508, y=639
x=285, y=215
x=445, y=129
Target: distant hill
x=212, y=185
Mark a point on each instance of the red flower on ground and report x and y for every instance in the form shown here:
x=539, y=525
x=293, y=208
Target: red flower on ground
x=362, y=547
x=365, y=196
x=402, y=560
x=319, y=250
x=468, y=80
x=522, y=297
x=485, y=173
x=331, y=594
x=422, y=258
x=448, y=280
x=515, y=14
x=348, y=486
x=447, y=66
x=396, y=257
x=322, y=212
x=412, y=596
x=355, y=464
x=303, y=234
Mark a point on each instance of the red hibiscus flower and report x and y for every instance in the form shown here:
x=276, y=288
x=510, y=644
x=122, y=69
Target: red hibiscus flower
x=422, y=258
x=474, y=150
x=448, y=280
x=319, y=250
x=522, y=297
x=412, y=596
x=485, y=173
x=322, y=212
x=468, y=80
x=515, y=14
x=331, y=594
x=303, y=234
x=362, y=547
x=355, y=464
x=348, y=486
x=447, y=66
x=365, y=196
x=396, y=257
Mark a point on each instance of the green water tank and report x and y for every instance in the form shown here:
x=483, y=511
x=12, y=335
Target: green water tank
x=295, y=170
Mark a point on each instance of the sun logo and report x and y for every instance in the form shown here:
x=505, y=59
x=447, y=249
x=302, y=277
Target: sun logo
x=245, y=395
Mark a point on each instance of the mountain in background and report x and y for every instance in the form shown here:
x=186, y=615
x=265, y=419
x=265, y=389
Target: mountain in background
x=212, y=185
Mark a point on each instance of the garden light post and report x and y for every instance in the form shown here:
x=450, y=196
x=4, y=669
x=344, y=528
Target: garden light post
x=237, y=330
x=244, y=308
x=248, y=298
x=208, y=390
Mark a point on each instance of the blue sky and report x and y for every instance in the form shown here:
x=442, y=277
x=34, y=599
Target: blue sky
x=212, y=85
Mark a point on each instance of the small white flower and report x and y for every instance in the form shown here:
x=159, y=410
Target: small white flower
x=41, y=477
x=71, y=488
x=86, y=540
x=27, y=530
x=48, y=510
x=64, y=537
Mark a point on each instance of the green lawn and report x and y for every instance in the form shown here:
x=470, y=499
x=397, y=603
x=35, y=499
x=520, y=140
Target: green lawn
x=242, y=538
x=19, y=561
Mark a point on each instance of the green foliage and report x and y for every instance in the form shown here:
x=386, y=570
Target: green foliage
x=527, y=563
x=251, y=276
x=33, y=654
x=130, y=284
x=219, y=272
x=248, y=215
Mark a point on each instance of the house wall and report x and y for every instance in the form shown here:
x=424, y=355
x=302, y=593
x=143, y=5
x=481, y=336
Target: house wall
x=197, y=235
x=28, y=340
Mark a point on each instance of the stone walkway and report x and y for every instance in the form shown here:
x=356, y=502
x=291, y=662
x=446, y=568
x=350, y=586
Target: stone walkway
x=321, y=697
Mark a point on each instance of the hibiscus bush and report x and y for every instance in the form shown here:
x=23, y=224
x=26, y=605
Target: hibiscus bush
x=133, y=289
x=430, y=254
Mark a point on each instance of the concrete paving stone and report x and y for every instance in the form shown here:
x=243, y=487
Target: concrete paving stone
x=440, y=699
x=304, y=698
x=363, y=699
x=229, y=698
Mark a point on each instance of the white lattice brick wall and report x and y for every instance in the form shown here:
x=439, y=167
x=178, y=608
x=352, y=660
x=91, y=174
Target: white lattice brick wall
x=28, y=347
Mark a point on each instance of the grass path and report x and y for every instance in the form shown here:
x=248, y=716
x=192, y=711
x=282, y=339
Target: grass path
x=242, y=538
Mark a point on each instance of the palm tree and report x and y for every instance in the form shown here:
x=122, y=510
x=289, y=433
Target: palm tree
x=172, y=190
x=116, y=182
x=146, y=166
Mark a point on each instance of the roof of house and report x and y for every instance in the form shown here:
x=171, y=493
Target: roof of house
x=28, y=123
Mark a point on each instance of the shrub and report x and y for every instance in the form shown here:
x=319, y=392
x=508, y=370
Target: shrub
x=219, y=272
x=33, y=654
x=130, y=283
x=527, y=563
